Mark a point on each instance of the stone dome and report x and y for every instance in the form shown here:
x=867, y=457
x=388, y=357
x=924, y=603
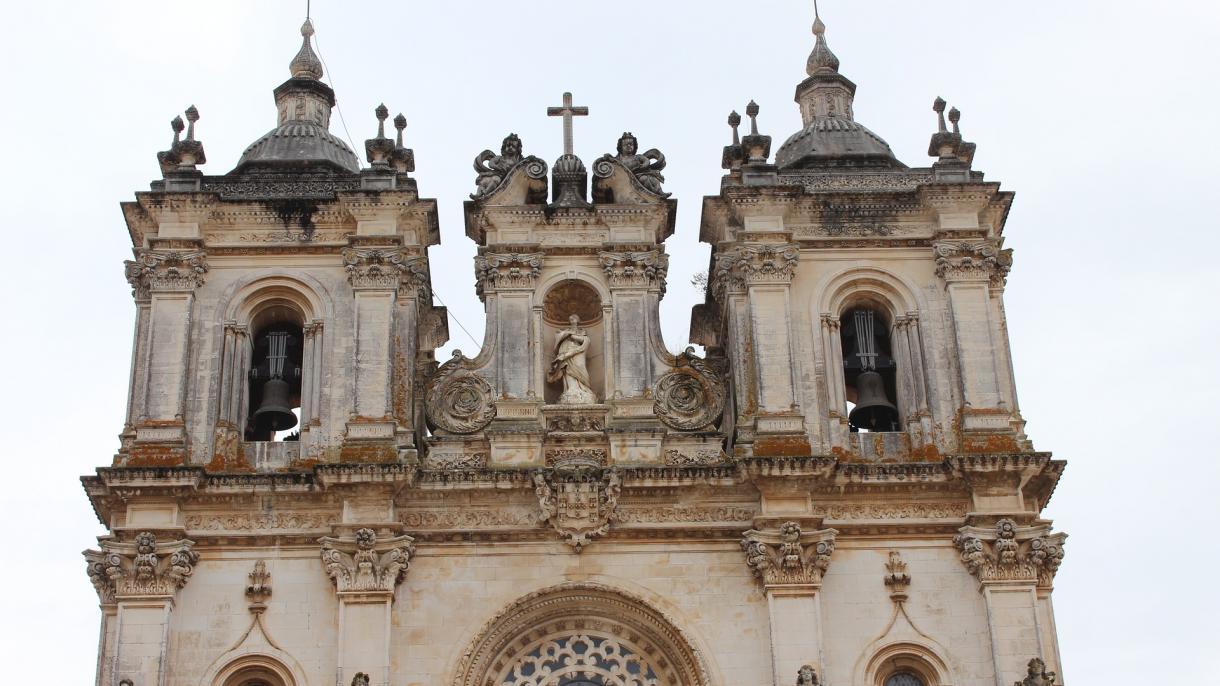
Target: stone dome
x=838, y=142
x=297, y=144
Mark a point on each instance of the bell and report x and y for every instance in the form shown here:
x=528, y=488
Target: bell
x=275, y=412
x=873, y=412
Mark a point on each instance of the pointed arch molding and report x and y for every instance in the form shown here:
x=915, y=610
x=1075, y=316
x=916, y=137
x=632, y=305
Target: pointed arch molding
x=622, y=630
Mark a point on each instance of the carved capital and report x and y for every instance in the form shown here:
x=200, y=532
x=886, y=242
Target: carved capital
x=789, y=556
x=364, y=563
x=972, y=261
x=635, y=269
x=739, y=267
x=165, y=270
x=506, y=271
x=140, y=568
x=578, y=500
x=1011, y=553
x=385, y=269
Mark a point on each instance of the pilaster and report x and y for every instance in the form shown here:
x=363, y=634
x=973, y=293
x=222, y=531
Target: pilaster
x=637, y=282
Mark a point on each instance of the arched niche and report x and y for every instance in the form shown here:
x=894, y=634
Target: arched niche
x=562, y=300
x=253, y=669
x=604, y=634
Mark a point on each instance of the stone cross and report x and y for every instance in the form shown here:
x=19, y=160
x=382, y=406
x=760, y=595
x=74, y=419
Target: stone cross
x=567, y=112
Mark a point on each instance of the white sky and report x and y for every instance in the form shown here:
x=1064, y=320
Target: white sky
x=1100, y=115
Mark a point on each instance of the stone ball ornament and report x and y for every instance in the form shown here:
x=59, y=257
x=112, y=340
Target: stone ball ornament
x=691, y=396
x=459, y=401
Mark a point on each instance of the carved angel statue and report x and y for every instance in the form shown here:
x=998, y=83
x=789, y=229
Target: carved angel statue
x=492, y=168
x=361, y=679
x=569, y=365
x=1037, y=675
x=806, y=676
x=647, y=167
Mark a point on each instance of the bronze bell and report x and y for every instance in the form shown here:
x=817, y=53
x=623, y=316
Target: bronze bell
x=873, y=411
x=275, y=412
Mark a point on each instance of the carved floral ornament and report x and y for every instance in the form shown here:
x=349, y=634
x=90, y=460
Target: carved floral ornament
x=458, y=400
x=1011, y=553
x=503, y=271
x=639, y=269
x=165, y=270
x=972, y=262
x=385, y=269
x=789, y=556
x=579, y=502
x=738, y=267
x=365, y=563
x=142, y=567
x=691, y=396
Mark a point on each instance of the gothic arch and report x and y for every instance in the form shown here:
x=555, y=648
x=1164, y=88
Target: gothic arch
x=580, y=627
x=266, y=665
x=904, y=656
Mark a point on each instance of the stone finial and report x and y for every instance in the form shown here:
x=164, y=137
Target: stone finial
x=306, y=64
x=948, y=146
x=402, y=158
x=752, y=110
x=378, y=149
x=177, y=125
x=757, y=147
x=183, y=155
x=734, y=155
x=734, y=122
x=938, y=106
x=192, y=116
x=896, y=577
x=400, y=123
x=955, y=116
x=821, y=60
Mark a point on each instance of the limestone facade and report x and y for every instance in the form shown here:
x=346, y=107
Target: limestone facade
x=837, y=489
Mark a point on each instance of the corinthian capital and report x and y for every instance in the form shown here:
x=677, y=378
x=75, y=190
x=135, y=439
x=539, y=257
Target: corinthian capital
x=789, y=556
x=506, y=271
x=739, y=267
x=638, y=269
x=364, y=563
x=141, y=568
x=1011, y=553
x=385, y=269
x=165, y=270
x=972, y=261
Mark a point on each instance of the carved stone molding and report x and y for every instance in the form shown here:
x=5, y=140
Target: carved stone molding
x=141, y=568
x=635, y=269
x=739, y=267
x=165, y=270
x=385, y=269
x=691, y=396
x=365, y=564
x=695, y=458
x=506, y=271
x=896, y=577
x=568, y=459
x=789, y=556
x=455, y=460
x=459, y=401
x=1036, y=674
x=969, y=261
x=259, y=588
x=1011, y=553
x=579, y=504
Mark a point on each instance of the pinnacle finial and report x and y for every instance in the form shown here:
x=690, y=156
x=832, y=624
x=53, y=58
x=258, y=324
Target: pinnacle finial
x=192, y=116
x=955, y=116
x=821, y=60
x=735, y=121
x=306, y=64
x=752, y=113
x=938, y=106
x=400, y=123
x=382, y=112
x=177, y=125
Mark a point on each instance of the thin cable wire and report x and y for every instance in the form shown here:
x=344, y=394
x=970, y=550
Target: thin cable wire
x=335, y=85
x=455, y=319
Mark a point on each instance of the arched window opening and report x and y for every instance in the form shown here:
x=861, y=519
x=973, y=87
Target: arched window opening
x=275, y=376
x=904, y=678
x=869, y=372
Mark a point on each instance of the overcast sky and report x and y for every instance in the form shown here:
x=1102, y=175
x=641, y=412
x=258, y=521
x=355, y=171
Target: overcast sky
x=1100, y=115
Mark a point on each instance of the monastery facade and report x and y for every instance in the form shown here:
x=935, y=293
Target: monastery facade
x=834, y=488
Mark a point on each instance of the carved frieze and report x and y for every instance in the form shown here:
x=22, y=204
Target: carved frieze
x=365, y=563
x=455, y=460
x=579, y=504
x=261, y=521
x=684, y=514
x=789, y=556
x=693, y=458
x=465, y=518
x=385, y=269
x=691, y=396
x=567, y=459
x=972, y=261
x=1011, y=553
x=874, y=511
x=738, y=267
x=635, y=269
x=458, y=400
x=165, y=270
x=506, y=271
x=140, y=568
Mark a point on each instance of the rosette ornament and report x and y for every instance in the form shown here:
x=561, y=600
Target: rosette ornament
x=691, y=396
x=459, y=401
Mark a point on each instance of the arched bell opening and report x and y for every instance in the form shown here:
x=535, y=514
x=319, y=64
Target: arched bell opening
x=870, y=372
x=275, y=377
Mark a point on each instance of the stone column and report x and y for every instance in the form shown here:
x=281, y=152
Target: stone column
x=169, y=278
x=366, y=566
x=790, y=562
x=1015, y=566
x=137, y=582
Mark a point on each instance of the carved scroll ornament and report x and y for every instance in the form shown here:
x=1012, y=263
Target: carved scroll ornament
x=458, y=400
x=494, y=171
x=364, y=563
x=691, y=396
x=143, y=567
x=1011, y=553
x=789, y=556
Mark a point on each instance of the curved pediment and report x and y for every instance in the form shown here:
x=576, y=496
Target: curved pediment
x=614, y=183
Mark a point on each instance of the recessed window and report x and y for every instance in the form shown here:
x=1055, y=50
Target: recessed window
x=904, y=679
x=869, y=371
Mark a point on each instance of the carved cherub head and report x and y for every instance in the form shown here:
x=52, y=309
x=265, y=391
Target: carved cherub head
x=146, y=543
x=806, y=676
x=511, y=147
x=627, y=144
x=365, y=538
x=1036, y=667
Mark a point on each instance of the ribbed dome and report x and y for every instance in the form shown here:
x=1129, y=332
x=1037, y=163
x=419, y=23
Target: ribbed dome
x=299, y=144
x=832, y=141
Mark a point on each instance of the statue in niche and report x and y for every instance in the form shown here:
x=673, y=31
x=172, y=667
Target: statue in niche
x=646, y=168
x=493, y=168
x=569, y=365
